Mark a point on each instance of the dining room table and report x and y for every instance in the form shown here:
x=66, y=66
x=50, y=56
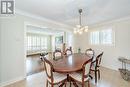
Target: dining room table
x=69, y=63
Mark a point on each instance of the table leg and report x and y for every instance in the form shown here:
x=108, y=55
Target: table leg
x=70, y=83
x=70, y=80
x=74, y=83
x=62, y=85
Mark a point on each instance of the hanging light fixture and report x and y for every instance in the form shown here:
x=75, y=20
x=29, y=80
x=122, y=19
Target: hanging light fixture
x=80, y=28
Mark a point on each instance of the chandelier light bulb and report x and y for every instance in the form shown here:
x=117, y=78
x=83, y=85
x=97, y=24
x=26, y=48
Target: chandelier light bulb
x=80, y=32
x=86, y=29
x=75, y=32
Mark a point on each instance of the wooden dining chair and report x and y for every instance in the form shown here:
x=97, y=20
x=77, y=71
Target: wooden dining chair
x=42, y=55
x=95, y=66
x=68, y=51
x=90, y=52
x=57, y=54
x=82, y=76
x=53, y=78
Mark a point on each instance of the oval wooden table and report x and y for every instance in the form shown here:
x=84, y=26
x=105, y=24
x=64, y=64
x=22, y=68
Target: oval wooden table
x=70, y=63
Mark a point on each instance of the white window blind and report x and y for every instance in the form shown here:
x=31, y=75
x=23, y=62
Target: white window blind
x=43, y=43
x=106, y=36
x=94, y=37
x=102, y=37
x=36, y=42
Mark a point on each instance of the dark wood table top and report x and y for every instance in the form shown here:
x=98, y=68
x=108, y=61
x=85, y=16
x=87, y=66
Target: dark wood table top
x=70, y=63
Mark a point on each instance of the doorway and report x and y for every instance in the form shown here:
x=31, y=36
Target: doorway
x=38, y=40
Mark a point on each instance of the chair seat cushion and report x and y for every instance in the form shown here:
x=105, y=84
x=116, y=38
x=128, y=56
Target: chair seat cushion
x=78, y=76
x=58, y=77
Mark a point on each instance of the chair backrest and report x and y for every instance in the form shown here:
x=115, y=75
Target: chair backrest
x=57, y=54
x=98, y=59
x=68, y=51
x=43, y=54
x=49, y=69
x=90, y=52
x=86, y=69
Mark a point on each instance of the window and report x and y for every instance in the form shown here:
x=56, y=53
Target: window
x=36, y=42
x=103, y=37
x=43, y=43
x=94, y=37
x=106, y=36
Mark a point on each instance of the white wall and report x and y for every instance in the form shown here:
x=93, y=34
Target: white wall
x=12, y=45
x=12, y=49
x=69, y=39
x=0, y=50
x=111, y=53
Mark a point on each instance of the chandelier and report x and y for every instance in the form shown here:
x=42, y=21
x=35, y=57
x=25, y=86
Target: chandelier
x=79, y=29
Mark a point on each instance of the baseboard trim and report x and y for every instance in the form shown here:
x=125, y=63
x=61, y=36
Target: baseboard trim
x=112, y=68
x=11, y=81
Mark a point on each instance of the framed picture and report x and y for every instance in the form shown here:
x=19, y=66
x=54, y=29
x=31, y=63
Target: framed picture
x=59, y=39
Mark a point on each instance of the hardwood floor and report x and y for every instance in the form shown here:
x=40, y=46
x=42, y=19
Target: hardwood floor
x=34, y=65
x=109, y=78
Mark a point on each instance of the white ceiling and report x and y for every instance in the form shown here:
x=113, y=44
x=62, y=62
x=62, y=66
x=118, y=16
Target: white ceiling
x=66, y=11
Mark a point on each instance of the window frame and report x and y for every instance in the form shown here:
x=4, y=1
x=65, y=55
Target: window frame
x=34, y=45
x=100, y=38
x=90, y=41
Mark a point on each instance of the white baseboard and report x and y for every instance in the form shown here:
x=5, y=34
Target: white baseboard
x=110, y=67
x=11, y=81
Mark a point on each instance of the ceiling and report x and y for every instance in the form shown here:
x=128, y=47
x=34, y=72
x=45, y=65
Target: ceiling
x=66, y=11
